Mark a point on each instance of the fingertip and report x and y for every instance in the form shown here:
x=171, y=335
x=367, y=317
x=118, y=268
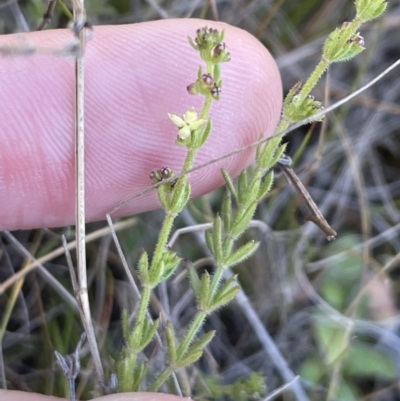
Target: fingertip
x=12, y=395
x=135, y=75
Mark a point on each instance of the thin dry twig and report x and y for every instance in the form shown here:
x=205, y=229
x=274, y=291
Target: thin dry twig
x=71, y=366
x=48, y=277
x=280, y=390
x=48, y=15
x=80, y=34
x=60, y=251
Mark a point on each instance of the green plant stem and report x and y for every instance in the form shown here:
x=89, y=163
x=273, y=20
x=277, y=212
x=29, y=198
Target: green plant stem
x=161, y=379
x=312, y=80
x=191, y=334
x=216, y=280
x=65, y=9
x=282, y=127
x=163, y=238
x=141, y=316
x=206, y=107
x=129, y=362
x=170, y=217
x=183, y=348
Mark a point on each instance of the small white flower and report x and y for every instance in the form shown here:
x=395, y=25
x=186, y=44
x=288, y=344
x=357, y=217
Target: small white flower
x=188, y=124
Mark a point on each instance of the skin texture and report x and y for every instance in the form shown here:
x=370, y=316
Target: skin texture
x=21, y=396
x=135, y=75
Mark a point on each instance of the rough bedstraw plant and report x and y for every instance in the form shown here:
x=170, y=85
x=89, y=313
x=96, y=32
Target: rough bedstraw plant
x=253, y=185
x=193, y=131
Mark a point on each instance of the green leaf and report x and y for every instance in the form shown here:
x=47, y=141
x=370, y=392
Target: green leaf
x=171, y=342
x=278, y=153
x=202, y=343
x=205, y=295
x=342, y=44
x=217, y=72
x=148, y=332
x=258, y=150
x=171, y=261
x=226, y=210
x=241, y=222
x=209, y=240
x=180, y=199
x=333, y=339
x=143, y=267
x=125, y=325
x=204, y=136
x=291, y=94
x=190, y=359
x=220, y=301
x=370, y=9
x=227, y=286
x=194, y=280
x=267, y=157
x=191, y=42
x=217, y=239
x=253, y=188
x=312, y=370
x=138, y=376
x=266, y=186
x=364, y=361
x=164, y=196
x=229, y=183
x=242, y=187
x=241, y=254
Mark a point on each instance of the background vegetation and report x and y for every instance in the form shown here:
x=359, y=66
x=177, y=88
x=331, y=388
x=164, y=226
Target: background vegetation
x=330, y=308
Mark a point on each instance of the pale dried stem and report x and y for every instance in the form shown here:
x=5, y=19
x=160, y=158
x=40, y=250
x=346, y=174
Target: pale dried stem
x=79, y=24
x=60, y=251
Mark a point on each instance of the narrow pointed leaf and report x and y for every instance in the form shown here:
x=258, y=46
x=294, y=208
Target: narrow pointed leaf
x=258, y=150
x=229, y=183
x=204, y=291
x=279, y=152
x=203, y=138
x=180, y=200
x=194, y=281
x=143, y=267
x=253, y=188
x=138, y=376
x=164, y=194
x=202, y=343
x=171, y=262
x=226, y=210
x=242, y=222
x=227, y=286
x=148, y=335
x=209, y=241
x=189, y=359
x=266, y=186
x=171, y=343
x=242, y=187
x=125, y=325
x=219, y=302
x=242, y=253
x=268, y=154
x=217, y=239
